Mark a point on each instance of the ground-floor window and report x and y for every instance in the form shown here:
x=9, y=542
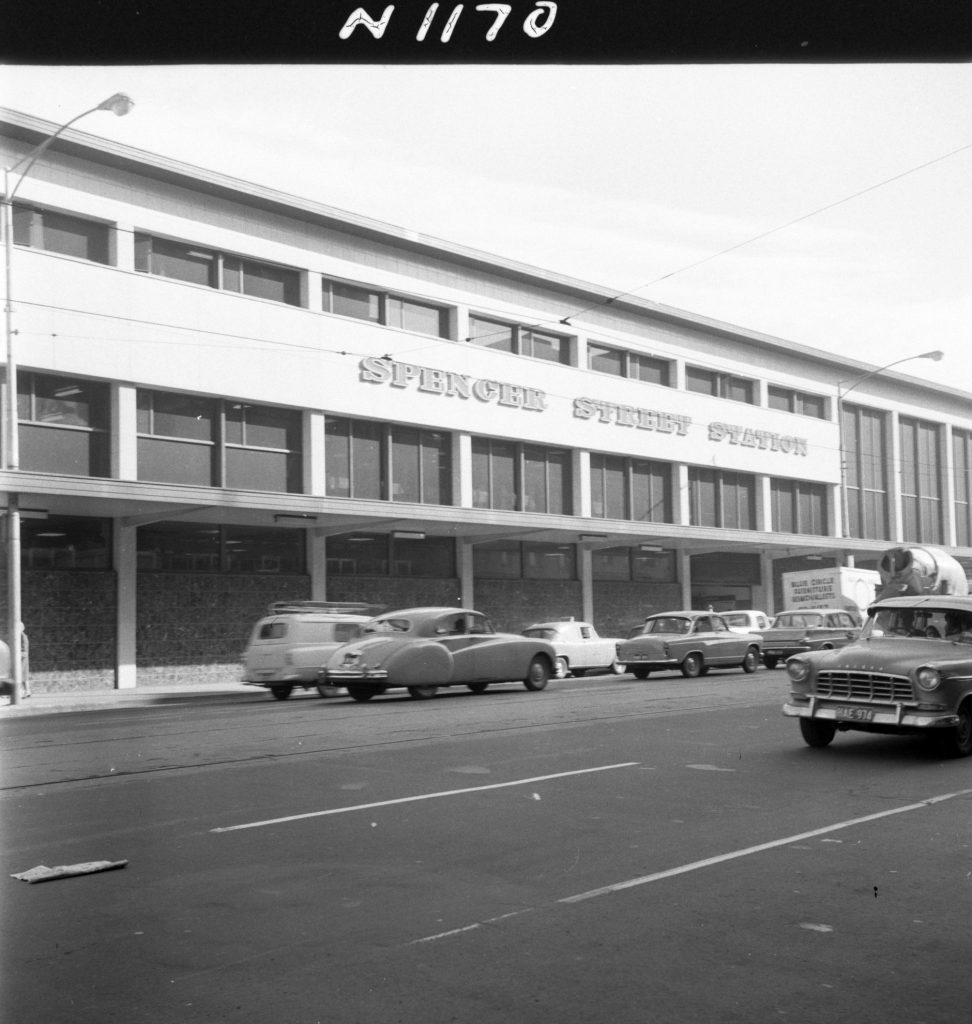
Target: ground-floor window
x=633, y=564
x=65, y=542
x=383, y=554
x=207, y=547
x=510, y=560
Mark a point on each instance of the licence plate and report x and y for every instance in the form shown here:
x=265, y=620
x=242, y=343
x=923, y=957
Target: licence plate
x=854, y=714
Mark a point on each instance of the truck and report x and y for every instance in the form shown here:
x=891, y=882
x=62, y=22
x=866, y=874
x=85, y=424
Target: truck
x=837, y=587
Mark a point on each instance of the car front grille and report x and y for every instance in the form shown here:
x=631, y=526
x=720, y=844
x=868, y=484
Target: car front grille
x=873, y=687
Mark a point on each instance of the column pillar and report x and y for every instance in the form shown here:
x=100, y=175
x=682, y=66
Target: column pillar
x=125, y=558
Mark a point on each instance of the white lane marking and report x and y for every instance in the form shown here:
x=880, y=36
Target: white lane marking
x=469, y=927
x=710, y=861
x=425, y=796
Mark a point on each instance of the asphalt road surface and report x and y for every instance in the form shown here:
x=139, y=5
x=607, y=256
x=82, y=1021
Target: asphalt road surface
x=657, y=852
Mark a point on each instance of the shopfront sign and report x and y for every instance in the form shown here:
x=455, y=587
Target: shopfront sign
x=434, y=381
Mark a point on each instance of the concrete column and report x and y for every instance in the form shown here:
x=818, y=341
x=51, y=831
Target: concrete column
x=315, y=481
x=310, y=291
x=125, y=555
x=464, y=559
x=765, y=600
x=584, y=562
x=764, y=503
x=682, y=503
x=459, y=323
x=124, y=432
x=121, y=242
x=685, y=577
x=581, y=470
x=317, y=563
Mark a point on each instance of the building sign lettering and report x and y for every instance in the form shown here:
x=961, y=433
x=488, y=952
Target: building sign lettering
x=434, y=381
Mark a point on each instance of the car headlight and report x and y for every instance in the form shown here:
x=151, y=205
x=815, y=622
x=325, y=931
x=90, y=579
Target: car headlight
x=797, y=670
x=929, y=678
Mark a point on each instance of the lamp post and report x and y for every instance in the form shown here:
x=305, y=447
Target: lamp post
x=842, y=393
x=119, y=104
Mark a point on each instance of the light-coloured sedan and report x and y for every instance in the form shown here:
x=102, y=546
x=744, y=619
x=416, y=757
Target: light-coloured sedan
x=690, y=641
x=578, y=646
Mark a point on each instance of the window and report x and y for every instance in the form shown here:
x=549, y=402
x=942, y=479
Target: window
x=183, y=261
x=521, y=478
x=799, y=402
x=623, y=363
x=630, y=489
x=523, y=341
x=380, y=307
x=65, y=542
x=921, y=481
x=799, y=507
x=865, y=470
x=724, y=500
x=179, y=442
x=208, y=548
x=509, y=560
x=720, y=385
x=387, y=462
x=60, y=233
x=633, y=564
x=962, y=458
x=382, y=554
x=63, y=425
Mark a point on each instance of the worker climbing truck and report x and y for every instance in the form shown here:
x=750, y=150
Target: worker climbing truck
x=909, y=672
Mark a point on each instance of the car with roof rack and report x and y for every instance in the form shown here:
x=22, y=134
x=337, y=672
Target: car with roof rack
x=290, y=643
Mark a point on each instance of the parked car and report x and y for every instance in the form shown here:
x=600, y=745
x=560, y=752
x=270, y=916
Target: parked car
x=691, y=641
x=422, y=649
x=746, y=620
x=578, y=646
x=288, y=646
x=808, y=629
x=909, y=672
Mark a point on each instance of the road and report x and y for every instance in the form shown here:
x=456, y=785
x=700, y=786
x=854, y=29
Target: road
x=657, y=852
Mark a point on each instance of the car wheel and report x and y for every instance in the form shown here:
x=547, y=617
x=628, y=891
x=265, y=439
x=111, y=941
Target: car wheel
x=692, y=666
x=816, y=733
x=422, y=692
x=641, y=673
x=477, y=687
x=957, y=742
x=361, y=693
x=751, y=661
x=328, y=691
x=538, y=674
x=618, y=668
x=281, y=692
x=770, y=660
x=561, y=668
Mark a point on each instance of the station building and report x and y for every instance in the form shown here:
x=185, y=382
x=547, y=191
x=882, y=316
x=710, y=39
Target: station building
x=229, y=396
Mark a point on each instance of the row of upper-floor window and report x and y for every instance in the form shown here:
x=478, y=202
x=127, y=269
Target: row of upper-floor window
x=58, y=232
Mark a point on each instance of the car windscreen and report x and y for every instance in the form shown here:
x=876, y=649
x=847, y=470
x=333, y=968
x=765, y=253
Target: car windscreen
x=798, y=619
x=736, y=620
x=923, y=622
x=387, y=626
x=541, y=633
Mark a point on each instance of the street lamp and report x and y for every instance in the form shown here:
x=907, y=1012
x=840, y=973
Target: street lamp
x=119, y=104
x=842, y=393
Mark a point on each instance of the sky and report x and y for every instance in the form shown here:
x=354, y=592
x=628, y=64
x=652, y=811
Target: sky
x=827, y=205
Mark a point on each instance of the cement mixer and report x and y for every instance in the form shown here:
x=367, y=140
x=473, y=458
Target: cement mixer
x=920, y=570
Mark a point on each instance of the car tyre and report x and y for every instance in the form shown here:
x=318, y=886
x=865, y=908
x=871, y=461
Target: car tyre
x=561, y=668
x=640, y=673
x=751, y=661
x=477, y=687
x=817, y=733
x=361, y=693
x=618, y=668
x=281, y=692
x=957, y=742
x=422, y=692
x=538, y=674
x=770, y=660
x=328, y=691
x=692, y=666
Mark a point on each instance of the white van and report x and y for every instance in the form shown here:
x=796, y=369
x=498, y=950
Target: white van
x=289, y=645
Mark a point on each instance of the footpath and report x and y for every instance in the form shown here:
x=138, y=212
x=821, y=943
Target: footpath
x=147, y=696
